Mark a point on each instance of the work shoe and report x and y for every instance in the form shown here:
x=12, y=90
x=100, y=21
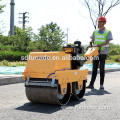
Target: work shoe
x=101, y=87
x=90, y=87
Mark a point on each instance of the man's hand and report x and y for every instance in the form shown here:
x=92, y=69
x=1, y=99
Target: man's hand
x=103, y=44
x=99, y=45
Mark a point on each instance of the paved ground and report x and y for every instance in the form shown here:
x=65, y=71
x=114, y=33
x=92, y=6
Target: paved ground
x=10, y=79
x=96, y=105
x=2, y=76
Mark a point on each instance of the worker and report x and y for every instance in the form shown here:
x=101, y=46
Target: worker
x=100, y=38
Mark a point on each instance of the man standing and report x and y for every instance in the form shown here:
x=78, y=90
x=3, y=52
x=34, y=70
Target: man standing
x=100, y=38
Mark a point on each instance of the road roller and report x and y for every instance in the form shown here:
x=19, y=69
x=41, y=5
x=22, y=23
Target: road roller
x=55, y=77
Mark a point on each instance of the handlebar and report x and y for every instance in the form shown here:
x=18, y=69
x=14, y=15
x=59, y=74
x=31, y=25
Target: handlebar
x=95, y=46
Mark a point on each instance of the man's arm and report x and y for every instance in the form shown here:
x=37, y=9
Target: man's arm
x=103, y=44
x=106, y=43
x=92, y=39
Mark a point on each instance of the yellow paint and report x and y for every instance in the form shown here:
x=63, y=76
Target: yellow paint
x=41, y=64
x=91, y=52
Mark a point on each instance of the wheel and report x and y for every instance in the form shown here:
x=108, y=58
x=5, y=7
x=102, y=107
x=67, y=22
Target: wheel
x=48, y=95
x=64, y=99
x=76, y=93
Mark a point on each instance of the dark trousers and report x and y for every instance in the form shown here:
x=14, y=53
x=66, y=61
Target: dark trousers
x=101, y=59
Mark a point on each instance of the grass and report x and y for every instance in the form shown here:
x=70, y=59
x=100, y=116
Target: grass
x=106, y=62
x=12, y=64
x=111, y=61
x=23, y=63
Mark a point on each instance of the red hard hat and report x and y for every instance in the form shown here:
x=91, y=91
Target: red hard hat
x=102, y=19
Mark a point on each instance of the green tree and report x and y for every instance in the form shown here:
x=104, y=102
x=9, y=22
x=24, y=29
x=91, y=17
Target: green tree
x=22, y=38
x=1, y=10
x=6, y=40
x=50, y=37
x=1, y=7
x=114, y=49
x=20, y=41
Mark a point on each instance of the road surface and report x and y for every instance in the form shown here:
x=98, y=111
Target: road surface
x=96, y=104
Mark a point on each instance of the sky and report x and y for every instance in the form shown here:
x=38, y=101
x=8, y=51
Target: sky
x=69, y=14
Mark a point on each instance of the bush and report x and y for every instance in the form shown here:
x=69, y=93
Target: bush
x=5, y=62
x=11, y=56
x=115, y=58
x=5, y=48
x=113, y=52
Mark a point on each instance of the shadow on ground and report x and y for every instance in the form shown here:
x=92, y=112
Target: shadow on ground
x=97, y=92
x=47, y=108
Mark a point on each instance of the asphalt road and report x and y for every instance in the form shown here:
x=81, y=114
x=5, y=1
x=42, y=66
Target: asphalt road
x=96, y=104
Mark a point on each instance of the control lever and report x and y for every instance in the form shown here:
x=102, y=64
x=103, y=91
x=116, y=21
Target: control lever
x=90, y=44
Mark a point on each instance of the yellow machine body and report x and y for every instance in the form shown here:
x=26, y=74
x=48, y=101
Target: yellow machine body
x=91, y=52
x=49, y=77
x=42, y=64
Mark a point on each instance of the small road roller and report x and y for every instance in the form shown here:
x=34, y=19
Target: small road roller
x=55, y=77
